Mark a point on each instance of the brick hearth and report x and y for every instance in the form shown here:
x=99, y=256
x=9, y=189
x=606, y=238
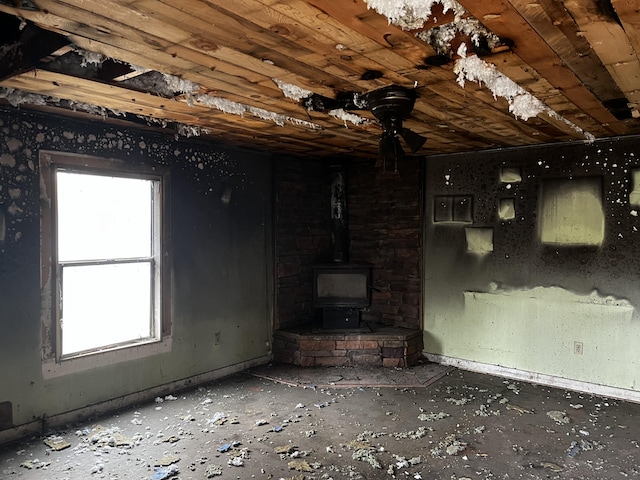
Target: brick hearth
x=385, y=346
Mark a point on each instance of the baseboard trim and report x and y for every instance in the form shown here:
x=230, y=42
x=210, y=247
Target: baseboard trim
x=43, y=425
x=538, y=378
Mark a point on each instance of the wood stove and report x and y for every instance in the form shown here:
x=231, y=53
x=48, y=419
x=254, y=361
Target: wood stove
x=340, y=292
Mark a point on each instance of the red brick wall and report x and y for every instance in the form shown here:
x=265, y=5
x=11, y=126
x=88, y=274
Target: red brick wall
x=303, y=236
x=384, y=212
x=385, y=229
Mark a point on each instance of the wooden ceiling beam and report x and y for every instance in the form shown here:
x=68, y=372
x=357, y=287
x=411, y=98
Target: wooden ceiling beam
x=610, y=42
x=553, y=23
x=503, y=19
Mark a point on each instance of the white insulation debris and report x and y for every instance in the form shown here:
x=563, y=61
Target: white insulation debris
x=522, y=104
x=292, y=91
x=180, y=85
x=18, y=97
x=89, y=58
x=345, y=116
x=412, y=14
x=235, y=108
x=472, y=68
x=440, y=38
x=189, y=131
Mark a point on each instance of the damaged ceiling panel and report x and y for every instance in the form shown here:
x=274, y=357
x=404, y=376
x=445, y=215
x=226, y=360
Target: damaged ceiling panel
x=294, y=76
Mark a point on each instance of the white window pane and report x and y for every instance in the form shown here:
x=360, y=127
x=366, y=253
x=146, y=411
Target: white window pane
x=105, y=304
x=102, y=217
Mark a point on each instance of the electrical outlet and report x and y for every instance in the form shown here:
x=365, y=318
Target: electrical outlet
x=217, y=338
x=578, y=348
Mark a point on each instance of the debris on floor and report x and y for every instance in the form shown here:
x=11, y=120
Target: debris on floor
x=461, y=426
x=300, y=466
x=213, y=471
x=559, y=417
x=167, y=460
x=56, y=443
x=162, y=473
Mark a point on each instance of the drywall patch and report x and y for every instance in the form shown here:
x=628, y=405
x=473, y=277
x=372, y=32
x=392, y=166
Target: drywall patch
x=510, y=175
x=479, y=240
x=507, y=209
x=634, y=195
x=571, y=212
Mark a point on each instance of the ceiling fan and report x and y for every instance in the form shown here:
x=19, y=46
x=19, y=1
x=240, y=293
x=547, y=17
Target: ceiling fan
x=391, y=105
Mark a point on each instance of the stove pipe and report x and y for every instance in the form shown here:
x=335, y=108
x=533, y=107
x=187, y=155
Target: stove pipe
x=339, y=223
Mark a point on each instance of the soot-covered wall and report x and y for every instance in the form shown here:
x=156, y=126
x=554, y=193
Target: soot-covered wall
x=532, y=258
x=221, y=287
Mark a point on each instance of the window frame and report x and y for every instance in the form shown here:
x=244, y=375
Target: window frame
x=54, y=363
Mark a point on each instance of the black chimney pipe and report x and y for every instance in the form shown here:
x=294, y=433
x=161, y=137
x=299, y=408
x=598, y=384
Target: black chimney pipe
x=339, y=222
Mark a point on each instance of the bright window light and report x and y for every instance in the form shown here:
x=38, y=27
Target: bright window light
x=107, y=264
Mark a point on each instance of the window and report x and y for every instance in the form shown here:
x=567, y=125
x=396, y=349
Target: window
x=103, y=238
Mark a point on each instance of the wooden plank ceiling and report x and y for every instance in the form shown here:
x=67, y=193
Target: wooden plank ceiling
x=292, y=76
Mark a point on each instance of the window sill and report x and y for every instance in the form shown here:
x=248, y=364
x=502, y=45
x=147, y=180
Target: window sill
x=81, y=363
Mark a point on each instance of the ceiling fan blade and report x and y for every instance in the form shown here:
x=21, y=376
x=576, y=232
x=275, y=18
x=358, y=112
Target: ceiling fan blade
x=389, y=148
x=413, y=140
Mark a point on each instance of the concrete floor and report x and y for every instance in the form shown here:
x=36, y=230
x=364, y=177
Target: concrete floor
x=284, y=422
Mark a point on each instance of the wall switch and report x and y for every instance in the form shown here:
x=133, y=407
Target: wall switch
x=577, y=348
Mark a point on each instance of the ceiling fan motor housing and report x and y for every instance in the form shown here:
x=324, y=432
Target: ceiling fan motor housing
x=392, y=102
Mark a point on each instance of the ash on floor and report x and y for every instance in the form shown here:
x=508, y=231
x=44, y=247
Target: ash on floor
x=461, y=425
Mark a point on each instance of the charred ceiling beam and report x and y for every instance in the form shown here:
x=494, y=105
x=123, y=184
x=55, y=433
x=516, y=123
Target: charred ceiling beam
x=24, y=4
x=25, y=45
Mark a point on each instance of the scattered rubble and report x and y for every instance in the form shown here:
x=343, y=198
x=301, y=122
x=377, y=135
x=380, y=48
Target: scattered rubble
x=56, y=443
x=560, y=417
x=213, y=471
x=300, y=466
x=161, y=443
x=432, y=417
